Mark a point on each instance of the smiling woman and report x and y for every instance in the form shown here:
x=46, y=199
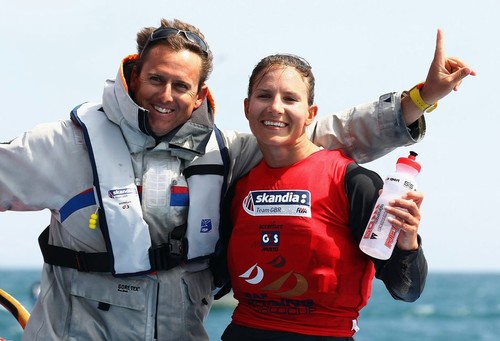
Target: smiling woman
x=293, y=256
x=281, y=90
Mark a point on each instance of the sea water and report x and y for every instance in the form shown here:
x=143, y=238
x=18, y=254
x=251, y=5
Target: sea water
x=454, y=306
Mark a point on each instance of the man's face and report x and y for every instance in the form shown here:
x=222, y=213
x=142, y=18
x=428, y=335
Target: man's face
x=167, y=87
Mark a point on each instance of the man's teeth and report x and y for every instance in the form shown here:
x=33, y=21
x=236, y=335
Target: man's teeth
x=275, y=124
x=163, y=110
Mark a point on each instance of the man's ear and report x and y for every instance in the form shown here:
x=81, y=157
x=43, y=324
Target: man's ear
x=134, y=78
x=313, y=111
x=201, y=95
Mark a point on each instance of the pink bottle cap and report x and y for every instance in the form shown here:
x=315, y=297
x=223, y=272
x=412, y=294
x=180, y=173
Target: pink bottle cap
x=410, y=161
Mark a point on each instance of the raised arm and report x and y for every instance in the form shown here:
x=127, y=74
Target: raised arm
x=367, y=132
x=445, y=74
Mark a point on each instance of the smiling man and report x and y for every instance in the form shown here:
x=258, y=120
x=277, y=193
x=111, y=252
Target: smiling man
x=166, y=84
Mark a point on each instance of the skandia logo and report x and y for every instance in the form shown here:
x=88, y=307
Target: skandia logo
x=285, y=203
x=291, y=197
x=122, y=192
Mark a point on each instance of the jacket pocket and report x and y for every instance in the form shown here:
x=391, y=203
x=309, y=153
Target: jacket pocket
x=199, y=286
x=118, y=307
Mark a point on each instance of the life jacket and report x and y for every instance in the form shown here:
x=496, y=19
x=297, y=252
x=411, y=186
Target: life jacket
x=128, y=243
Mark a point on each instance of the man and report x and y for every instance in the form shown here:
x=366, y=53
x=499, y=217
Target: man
x=127, y=248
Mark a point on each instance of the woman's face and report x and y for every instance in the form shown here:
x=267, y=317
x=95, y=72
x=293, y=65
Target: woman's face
x=278, y=110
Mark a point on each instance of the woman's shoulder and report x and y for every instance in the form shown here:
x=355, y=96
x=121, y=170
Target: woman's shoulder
x=334, y=156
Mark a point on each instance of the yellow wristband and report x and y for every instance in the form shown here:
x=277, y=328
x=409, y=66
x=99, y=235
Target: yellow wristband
x=419, y=101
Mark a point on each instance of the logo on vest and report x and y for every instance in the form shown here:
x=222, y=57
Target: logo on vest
x=257, y=277
x=206, y=225
x=287, y=286
x=121, y=192
x=270, y=240
x=295, y=203
x=290, y=284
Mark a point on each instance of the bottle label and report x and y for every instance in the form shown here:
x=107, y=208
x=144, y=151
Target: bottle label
x=391, y=237
x=376, y=217
x=399, y=184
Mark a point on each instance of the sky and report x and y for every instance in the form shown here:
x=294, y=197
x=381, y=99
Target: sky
x=57, y=54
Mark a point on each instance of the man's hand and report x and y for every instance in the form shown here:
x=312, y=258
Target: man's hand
x=445, y=74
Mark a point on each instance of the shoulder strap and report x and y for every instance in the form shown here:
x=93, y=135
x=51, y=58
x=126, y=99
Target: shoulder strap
x=207, y=181
x=218, y=263
x=225, y=160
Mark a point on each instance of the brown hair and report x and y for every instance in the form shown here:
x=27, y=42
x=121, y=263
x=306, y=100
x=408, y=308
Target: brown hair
x=281, y=60
x=176, y=43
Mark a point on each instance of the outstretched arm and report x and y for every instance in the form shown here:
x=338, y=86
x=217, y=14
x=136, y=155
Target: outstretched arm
x=367, y=132
x=445, y=74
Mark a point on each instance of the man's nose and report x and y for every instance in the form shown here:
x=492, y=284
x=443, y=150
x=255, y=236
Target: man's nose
x=166, y=93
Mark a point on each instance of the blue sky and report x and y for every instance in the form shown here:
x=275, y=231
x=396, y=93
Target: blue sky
x=57, y=54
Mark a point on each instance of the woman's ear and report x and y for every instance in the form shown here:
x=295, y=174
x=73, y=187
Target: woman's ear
x=245, y=107
x=312, y=112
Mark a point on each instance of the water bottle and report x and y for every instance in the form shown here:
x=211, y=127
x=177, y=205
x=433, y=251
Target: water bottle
x=380, y=236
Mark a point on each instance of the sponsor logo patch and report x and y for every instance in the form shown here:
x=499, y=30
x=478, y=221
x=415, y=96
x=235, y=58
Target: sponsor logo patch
x=121, y=192
x=206, y=225
x=295, y=203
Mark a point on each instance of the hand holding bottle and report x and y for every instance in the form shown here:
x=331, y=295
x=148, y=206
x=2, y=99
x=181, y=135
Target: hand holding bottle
x=383, y=231
x=406, y=211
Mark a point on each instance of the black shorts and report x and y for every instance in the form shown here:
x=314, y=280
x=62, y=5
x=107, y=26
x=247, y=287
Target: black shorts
x=235, y=332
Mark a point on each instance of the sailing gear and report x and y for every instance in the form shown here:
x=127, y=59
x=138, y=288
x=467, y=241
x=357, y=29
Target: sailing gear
x=121, y=218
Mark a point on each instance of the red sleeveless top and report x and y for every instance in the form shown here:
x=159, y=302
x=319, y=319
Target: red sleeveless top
x=294, y=263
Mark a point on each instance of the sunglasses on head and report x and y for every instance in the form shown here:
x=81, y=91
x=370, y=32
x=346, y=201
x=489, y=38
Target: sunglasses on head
x=165, y=32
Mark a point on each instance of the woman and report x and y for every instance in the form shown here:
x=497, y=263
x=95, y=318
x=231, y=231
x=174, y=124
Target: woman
x=297, y=219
